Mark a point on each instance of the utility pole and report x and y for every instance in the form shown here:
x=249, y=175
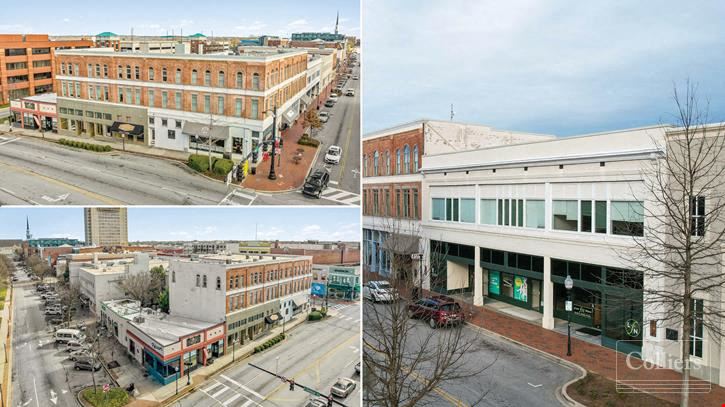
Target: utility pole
x=452, y=113
x=293, y=384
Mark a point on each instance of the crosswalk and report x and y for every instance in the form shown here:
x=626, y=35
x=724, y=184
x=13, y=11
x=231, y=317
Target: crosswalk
x=340, y=196
x=339, y=307
x=229, y=392
x=239, y=197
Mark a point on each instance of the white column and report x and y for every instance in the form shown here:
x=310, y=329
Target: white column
x=477, y=278
x=425, y=249
x=548, y=320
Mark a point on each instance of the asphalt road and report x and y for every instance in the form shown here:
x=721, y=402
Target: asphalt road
x=314, y=354
x=42, y=375
x=516, y=376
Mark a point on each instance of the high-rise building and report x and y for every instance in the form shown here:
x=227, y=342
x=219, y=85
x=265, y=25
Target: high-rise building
x=106, y=226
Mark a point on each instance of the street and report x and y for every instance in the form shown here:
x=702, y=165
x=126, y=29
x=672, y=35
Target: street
x=314, y=354
x=42, y=374
x=517, y=376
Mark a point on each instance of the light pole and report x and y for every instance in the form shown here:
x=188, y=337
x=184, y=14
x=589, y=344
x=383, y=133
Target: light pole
x=177, y=376
x=277, y=367
x=188, y=370
x=272, y=175
x=205, y=132
x=419, y=257
x=568, y=284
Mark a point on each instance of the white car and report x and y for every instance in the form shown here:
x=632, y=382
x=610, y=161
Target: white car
x=333, y=97
x=343, y=387
x=74, y=345
x=333, y=155
x=350, y=92
x=324, y=116
x=355, y=77
x=379, y=291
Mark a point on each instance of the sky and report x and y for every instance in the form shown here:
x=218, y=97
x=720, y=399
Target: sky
x=560, y=67
x=160, y=17
x=190, y=223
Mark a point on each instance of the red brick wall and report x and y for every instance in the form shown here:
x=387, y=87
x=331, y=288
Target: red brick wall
x=396, y=206
x=391, y=143
x=330, y=256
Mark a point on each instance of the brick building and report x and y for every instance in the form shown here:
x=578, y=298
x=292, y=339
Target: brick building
x=27, y=63
x=168, y=101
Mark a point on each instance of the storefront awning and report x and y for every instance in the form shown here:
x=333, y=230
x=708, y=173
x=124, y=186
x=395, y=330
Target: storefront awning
x=306, y=100
x=273, y=318
x=300, y=300
x=203, y=130
x=402, y=244
x=291, y=114
x=126, y=128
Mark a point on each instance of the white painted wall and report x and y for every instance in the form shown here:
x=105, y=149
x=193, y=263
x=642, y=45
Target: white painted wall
x=188, y=300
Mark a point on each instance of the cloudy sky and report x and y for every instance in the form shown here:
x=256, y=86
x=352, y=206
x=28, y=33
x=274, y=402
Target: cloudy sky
x=560, y=67
x=160, y=17
x=188, y=223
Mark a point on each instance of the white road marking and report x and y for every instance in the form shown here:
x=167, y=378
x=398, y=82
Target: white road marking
x=217, y=394
x=247, y=389
x=247, y=403
x=8, y=141
x=535, y=385
x=334, y=183
x=35, y=388
x=62, y=197
x=234, y=397
x=212, y=387
x=53, y=397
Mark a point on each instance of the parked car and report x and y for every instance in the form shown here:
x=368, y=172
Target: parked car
x=317, y=402
x=355, y=77
x=66, y=335
x=324, y=116
x=333, y=155
x=438, y=311
x=379, y=291
x=87, y=365
x=357, y=368
x=329, y=103
x=350, y=92
x=343, y=387
x=53, y=311
x=333, y=97
x=73, y=345
x=316, y=183
x=79, y=354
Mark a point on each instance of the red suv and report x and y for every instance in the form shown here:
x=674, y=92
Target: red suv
x=439, y=311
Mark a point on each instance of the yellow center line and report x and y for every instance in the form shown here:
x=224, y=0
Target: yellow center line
x=93, y=195
x=447, y=396
x=313, y=364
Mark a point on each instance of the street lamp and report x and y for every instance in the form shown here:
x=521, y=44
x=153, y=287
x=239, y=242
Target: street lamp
x=272, y=175
x=568, y=284
x=419, y=257
x=188, y=370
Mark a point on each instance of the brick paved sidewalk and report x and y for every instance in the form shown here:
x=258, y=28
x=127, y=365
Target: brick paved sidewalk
x=593, y=358
x=290, y=174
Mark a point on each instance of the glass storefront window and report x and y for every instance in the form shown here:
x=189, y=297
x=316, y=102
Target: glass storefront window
x=488, y=211
x=586, y=216
x=535, y=217
x=507, y=285
x=439, y=208
x=600, y=214
x=564, y=215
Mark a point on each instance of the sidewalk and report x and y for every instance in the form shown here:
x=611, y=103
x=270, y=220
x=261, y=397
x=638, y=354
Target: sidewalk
x=103, y=141
x=290, y=174
x=592, y=357
x=7, y=348
x=150, y=393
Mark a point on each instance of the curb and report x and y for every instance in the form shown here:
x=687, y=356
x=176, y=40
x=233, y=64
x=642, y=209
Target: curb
x=561, y=393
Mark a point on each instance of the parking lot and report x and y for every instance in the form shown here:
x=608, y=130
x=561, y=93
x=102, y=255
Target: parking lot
x=42, y=374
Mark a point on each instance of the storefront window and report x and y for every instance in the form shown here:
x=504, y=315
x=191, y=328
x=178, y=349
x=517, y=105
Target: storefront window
x=623, y=320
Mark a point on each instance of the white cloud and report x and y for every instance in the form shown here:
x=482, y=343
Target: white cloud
x=266, y=232
x=297, y=23
x=252, y=28
x=66, y=20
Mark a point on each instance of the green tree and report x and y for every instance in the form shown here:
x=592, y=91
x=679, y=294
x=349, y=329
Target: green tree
x=164, y=300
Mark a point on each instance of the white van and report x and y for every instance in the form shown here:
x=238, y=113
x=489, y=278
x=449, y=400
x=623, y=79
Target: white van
x=65, y=335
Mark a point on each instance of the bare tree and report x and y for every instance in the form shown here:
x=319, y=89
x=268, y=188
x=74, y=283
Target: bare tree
x=69, y=298
x=142, y=287
x=681, y=250
x=405, y=361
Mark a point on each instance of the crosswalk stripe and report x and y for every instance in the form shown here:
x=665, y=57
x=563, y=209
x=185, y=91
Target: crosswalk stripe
x=242, y=194
x=234, y=397
x=212, y=387
x=242, y=386
x=217, y=394
x=247, y=403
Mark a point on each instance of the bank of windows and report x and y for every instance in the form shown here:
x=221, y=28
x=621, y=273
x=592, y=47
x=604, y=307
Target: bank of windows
x=41, y=64
x=16, y=65
x=610, y=276
x=220, y=104
x=697, y=216
x=177, y=76
x=376, y=159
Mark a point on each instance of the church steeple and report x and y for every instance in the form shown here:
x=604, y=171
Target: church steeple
x=337, y=21
x=28, y=236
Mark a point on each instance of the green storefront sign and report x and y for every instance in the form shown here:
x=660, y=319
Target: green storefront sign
x=494, y=282
x=521, y=292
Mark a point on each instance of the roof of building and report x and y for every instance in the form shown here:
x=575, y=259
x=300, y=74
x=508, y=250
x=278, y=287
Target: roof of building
x=197, y=35
x=237, y=260
x=43, y=98
x=163, y=328
x=107, y=34
x=279, y=53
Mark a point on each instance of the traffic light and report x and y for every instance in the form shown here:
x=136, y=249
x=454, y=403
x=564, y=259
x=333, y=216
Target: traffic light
x=291, y=385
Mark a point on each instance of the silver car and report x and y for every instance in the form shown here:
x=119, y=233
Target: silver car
x=343, y=387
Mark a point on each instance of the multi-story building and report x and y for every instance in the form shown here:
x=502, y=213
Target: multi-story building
x=107, y=39
x=504, y=220
x=106, y=226
x=255, y=247
x=180, y=101
x=211, y=247
x=101, y=281
x=35, y=112
x=201, y=44
x=27, y=64
x=149, y=46
x=248, y=292
x=310, y=36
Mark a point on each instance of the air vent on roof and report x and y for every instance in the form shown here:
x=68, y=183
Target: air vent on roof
x=139, y=320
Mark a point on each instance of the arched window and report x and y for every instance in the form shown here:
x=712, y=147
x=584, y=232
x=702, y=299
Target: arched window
x=397, y=161
x=406, y=159
x=255, y=81
x=163, y=75
x=415, y=158
x=240, y=80
x=375, y=163
x=194, y=76
x=220, y=79
x=177, y=78
x=207, y=78
x=387, y=162
x=151, y=74
x=128, y=71
x=120, y=71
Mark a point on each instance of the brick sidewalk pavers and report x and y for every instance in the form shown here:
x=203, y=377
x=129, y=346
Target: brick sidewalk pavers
x=594, y=358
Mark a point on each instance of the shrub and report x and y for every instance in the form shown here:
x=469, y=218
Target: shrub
x=314, y=316
x=306, y=140
x=222, y=166
x=199, y=162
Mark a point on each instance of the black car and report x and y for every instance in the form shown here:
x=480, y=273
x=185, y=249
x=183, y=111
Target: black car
x=329, y=103
x=316, y=183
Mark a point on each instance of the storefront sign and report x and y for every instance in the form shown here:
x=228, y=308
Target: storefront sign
x=631, y=327
x=157, y=346
x=193, y=340
x=582, y=311
x=494, y=282
x=521, y=289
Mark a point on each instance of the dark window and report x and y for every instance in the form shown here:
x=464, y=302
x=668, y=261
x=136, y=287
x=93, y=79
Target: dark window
x=558, y=268
x=591, y=273
x=511, y=259
x=497, y=257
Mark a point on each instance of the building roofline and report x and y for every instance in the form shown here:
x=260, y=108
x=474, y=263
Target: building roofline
x=285, y=52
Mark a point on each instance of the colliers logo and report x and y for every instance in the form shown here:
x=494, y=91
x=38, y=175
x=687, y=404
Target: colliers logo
x=631, y=327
